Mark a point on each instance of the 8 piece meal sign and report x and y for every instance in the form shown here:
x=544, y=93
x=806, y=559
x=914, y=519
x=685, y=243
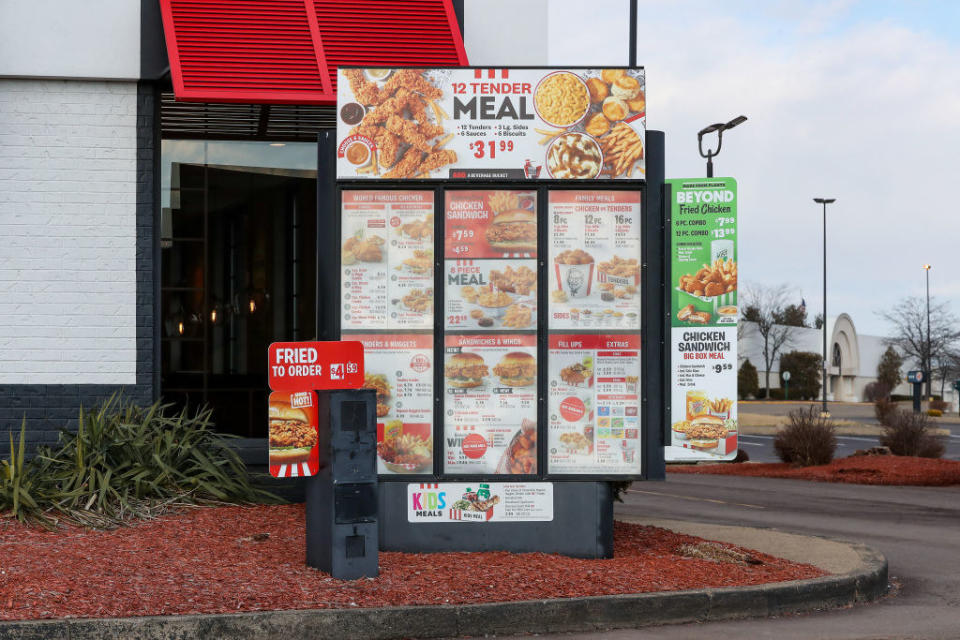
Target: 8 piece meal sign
x=500, y=322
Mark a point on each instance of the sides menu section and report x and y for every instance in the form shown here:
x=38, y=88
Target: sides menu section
x=704, y=320
x=594, y=403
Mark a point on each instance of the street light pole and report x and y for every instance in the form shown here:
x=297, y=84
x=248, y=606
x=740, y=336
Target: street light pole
x=825, y=202
x=929, y=363
x=719, y=127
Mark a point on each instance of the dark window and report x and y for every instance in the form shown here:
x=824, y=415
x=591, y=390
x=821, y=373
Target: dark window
x=238, y=272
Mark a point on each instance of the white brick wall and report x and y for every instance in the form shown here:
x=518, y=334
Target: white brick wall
x=67, y=232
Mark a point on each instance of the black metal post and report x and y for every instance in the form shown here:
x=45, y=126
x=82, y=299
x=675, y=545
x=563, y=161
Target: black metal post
x=824, y=307
x=710, y=165
x=633, y=34
x=824, y=202
x=929, y=367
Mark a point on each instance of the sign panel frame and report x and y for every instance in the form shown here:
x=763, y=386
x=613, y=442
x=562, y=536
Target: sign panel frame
x=330, y=188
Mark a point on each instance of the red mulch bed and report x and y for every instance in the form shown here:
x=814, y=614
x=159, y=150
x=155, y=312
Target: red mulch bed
x=892, y=470
x=207, y=561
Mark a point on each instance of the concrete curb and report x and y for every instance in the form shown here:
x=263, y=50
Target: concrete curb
x=863, y=584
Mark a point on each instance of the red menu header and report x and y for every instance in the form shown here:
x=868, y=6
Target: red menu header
x=304, y=366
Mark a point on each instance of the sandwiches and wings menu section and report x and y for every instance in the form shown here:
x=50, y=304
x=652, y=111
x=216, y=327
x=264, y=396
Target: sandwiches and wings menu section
x=490, y=404
x=386, y=291
x=490, y=323
x=593, y=384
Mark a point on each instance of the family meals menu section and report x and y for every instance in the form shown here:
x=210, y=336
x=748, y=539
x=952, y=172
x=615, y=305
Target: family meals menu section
x=490, y=322
x=593, y=406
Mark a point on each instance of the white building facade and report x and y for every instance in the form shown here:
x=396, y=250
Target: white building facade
x=853, y=359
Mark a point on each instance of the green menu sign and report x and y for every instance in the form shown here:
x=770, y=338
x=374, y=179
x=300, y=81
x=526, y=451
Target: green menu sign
x=703, y=310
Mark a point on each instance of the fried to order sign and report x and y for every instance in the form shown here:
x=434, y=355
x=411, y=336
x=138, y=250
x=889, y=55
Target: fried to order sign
x=514, y=124
x=307, y=366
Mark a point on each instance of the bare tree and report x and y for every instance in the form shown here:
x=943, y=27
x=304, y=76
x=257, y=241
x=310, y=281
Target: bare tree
x=947, y=366
x=763, y=306
x=909, y=320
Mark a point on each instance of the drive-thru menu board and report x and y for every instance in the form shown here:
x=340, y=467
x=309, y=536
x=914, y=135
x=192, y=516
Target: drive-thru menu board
x=704, y=319
x=594, y=404
x=386, y=260
x=511, y=124
x=594, y=260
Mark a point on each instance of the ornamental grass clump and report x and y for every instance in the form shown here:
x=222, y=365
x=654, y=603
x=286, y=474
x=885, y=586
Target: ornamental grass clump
x=908, y=434
x=808, y=440
x=124, y=463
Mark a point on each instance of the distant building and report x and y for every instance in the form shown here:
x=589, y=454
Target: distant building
x=853, y=359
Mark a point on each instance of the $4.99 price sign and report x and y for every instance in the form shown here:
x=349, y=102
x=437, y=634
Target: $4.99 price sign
x=303, y=366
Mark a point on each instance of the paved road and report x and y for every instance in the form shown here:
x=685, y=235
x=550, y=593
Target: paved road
x=760, y=448
x=918, y=529
x=859, y=411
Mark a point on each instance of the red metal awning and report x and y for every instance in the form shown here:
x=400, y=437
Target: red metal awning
x=288, y=51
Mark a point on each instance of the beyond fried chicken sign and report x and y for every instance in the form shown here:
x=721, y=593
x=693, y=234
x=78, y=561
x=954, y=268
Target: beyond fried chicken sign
x=400, y=124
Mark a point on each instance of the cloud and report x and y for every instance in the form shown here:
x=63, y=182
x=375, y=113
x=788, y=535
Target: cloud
x=842, y=102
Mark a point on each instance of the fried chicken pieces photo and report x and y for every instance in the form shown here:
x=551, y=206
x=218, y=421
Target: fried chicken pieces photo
x=397, y=122
x=378, y=382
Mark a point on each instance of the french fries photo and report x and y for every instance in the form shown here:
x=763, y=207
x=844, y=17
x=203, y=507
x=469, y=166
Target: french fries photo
x=622, y=147
x=721, y=405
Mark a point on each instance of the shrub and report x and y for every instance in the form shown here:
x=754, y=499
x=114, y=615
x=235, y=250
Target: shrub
x=908, y=434
x=761, y=393
x=883, y=408
x=938, y=405
x=876, y=391
x=125, y=462
x=747, y=381
x=804, y=368
x=808, y=440
x=742, y=456
x=776, y=394
x=888, y=369
x=934, y=413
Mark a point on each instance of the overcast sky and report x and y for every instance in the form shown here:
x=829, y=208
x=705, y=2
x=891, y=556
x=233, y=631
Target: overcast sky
x=859, y=101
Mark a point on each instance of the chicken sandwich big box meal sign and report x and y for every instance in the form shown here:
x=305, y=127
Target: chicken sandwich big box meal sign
x=511, y=124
